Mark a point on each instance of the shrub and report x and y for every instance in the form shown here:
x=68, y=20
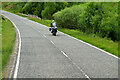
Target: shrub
x=70, y=17
x=96, y=18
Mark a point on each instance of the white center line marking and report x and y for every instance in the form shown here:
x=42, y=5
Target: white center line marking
x=77, y=66
x=44, y=35
x=64, y=53
x=81, y=70
x=52, y=42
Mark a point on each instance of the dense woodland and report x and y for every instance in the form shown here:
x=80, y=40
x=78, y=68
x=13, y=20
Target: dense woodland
x=99, y=18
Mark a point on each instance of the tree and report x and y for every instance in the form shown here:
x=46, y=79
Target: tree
x=38, y=9
x=49, y=9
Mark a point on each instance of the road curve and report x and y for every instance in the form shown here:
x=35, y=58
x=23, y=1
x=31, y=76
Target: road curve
x=45, y=56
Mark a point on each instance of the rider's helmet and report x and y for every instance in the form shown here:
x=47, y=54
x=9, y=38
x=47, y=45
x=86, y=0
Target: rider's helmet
x=53, y=21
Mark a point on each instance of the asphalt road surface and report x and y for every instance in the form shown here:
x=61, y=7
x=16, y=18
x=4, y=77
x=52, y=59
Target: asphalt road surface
x=43, y=55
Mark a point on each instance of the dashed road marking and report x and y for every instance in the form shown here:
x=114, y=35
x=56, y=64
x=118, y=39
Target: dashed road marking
x=64, y=53
x=76, y=65
x=44, y=35
x=52, y=42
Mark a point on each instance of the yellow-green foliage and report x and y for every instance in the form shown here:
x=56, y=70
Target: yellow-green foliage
x=8, y=39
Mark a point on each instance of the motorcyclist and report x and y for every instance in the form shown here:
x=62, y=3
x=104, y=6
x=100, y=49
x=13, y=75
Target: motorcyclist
x=52, y=25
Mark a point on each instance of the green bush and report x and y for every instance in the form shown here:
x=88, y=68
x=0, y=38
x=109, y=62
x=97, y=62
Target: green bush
x=27, y=8
x=109, y=22
x=38, y=9
x=70, y=17
x=95, y=18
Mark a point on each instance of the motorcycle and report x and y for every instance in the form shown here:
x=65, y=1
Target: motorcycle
x=53, y=30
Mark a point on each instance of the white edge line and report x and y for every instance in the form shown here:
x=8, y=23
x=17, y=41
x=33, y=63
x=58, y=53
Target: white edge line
x=18, y=57
x=91, y=45
x=19, y=49
x=78, y=40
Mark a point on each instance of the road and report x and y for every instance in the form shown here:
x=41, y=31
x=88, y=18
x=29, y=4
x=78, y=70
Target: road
x=45, y=56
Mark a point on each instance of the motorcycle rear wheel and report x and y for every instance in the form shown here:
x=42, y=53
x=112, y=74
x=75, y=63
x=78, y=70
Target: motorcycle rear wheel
x=54, y=34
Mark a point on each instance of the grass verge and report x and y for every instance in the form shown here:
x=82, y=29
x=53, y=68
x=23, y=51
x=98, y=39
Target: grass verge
x=42, y=21
x=8, y=39
x=103, y=43
x=0, y=49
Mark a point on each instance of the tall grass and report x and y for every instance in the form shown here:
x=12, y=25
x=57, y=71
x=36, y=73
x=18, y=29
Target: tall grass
x=8, y=39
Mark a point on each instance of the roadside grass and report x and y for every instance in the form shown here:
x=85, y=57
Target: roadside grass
x=102, y=43
x=8, y=40
x=42, y=21
x=0, y=48
x=0, y=57
x=0, y=62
